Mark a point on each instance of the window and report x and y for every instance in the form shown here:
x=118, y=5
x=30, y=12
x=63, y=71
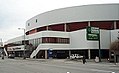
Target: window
x=28, y=24
x=76, y=26
x=41, y=29
x=108, y=25
x=32, y=31
x=55, y=40
x=36, y=20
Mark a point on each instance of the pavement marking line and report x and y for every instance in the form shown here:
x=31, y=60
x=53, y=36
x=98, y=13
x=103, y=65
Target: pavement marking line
x=96, y=70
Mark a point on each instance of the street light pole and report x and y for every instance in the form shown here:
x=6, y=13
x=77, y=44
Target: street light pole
x=99, y=48
x=24, y=57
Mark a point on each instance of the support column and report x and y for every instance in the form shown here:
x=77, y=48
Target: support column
x=46, y=54
x=65, y=27
x=115, y=25
x=89, y=54
x=109, y=55
x=89, y=49
x=47, y=28
x=89, y=23
x=114, y=58
x=69, y=53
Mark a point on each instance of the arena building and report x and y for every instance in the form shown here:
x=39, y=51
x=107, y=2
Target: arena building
x=62, y=32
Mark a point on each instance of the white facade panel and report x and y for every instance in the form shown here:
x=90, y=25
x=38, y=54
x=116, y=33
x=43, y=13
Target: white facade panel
x=105, y=38
x=75, y=14
x=35, y=35
x=49, y=34
x=78, y=39
x=114, y=35
x=92, y=44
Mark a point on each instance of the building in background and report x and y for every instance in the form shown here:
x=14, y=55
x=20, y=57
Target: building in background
x=62, y=32
x=1, y=48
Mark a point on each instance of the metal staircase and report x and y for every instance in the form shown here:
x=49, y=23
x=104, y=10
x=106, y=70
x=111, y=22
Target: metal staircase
x=5, y=52
x=35, y=52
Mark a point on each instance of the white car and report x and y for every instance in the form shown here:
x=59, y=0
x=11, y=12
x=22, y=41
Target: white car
x=72, y=56
x=76, y=56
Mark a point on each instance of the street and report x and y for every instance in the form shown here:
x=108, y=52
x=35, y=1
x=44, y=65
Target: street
x=54, y=66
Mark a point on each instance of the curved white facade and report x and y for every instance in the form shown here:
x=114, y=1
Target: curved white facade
x=65, y=29
x=100, y=12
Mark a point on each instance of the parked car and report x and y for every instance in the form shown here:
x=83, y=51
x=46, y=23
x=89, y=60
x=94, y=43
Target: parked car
x=76, y=56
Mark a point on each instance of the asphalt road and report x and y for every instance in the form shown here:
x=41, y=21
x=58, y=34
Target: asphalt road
x=55, y=66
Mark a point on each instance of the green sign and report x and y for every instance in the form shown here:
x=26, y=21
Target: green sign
x=93, y=33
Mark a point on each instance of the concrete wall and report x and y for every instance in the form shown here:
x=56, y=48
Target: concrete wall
x=114, y=35
x=15, y=39
x=79, y=41
x=99, y=12
x=105, y=39
x=48, y=34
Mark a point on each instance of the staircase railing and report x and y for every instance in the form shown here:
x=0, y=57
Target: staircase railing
x=35, y=52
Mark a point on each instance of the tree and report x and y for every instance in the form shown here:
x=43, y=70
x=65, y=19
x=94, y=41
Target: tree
x=115, y=46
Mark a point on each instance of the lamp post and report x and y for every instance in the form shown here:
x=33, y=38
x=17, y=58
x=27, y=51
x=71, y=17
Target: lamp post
x=1, y=44
x=23, y=42
x=99, y=48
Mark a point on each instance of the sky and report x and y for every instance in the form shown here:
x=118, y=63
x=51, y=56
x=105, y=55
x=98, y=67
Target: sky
x=15, y=13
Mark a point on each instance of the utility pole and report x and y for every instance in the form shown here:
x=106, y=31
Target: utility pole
x=99, y=48
x=24, y=56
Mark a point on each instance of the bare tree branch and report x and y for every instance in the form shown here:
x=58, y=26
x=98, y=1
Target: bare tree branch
x=115, y=46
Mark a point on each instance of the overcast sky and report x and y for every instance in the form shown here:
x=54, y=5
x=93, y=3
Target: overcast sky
x=15, y=13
